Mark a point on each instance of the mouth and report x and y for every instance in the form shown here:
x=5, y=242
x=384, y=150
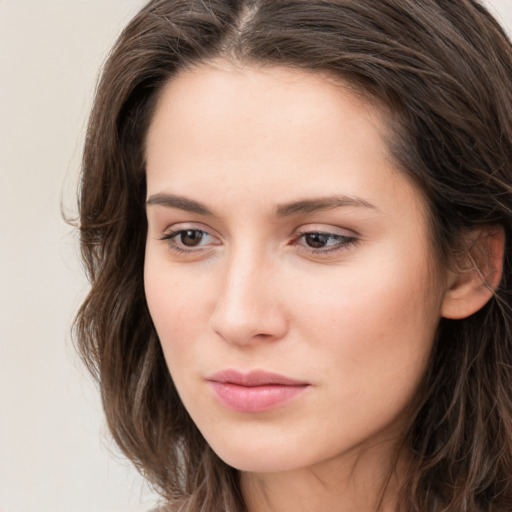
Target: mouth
x=256, y=391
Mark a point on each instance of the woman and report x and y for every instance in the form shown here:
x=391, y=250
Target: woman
x=296, y=219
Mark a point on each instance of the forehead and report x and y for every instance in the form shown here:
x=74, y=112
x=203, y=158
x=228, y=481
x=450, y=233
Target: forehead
x=245, y=111
x=218, y=88
x=226, y=131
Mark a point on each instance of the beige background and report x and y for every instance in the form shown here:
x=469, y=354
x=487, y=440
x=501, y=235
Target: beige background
x=54, y=454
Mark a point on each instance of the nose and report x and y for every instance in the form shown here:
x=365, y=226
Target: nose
x=248, y=309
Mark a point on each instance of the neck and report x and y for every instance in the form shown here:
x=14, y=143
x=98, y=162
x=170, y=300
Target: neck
x=362, y=482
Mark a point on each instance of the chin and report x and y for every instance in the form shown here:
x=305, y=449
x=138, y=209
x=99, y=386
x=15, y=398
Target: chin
x=255, y=463
x=258, y=457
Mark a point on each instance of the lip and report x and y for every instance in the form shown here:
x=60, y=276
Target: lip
x=256, y=391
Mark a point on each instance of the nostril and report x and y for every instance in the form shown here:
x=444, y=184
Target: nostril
x=241, y=327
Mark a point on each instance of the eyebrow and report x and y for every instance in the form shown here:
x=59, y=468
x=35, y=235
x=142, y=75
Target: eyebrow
x=322, y=203
x=283, y=210
x=180, y=202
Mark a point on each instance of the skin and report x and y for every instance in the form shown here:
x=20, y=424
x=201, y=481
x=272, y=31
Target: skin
x=355, y=318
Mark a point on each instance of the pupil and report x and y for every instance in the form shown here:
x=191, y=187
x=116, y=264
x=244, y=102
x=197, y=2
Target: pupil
x=317, y=240
x=191, y=237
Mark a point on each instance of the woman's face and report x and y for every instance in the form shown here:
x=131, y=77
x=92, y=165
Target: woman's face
x=288, y=270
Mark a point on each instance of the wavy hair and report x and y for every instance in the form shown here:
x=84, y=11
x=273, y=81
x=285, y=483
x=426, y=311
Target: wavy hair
x=443, y=69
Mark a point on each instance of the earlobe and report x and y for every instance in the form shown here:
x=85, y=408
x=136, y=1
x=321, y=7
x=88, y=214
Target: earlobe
x=479, y=273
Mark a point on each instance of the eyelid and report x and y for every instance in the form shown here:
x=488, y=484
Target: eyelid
x=338, y=239
x=171, y=233
x=185, y=226
x=345, y=239
x=328, y=230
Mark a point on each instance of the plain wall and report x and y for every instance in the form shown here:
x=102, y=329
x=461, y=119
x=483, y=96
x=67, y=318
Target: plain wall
x=54, y=454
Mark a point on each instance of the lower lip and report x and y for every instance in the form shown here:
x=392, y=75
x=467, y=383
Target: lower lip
x=255, y=398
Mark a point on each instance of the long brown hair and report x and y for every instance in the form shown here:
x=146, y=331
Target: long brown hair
x=443, y=69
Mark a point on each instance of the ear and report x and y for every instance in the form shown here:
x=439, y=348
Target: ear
x=478, y=273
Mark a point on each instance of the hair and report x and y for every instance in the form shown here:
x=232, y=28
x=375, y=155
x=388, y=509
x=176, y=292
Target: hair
x=443, y=69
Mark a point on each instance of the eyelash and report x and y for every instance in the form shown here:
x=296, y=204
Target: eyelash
x=342, y=242
x=172, y=235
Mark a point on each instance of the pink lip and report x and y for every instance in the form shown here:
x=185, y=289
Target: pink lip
x=256, y=391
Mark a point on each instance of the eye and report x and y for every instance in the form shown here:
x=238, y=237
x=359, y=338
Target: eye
x=189, y=240
x=190, y=237
x=321, y=242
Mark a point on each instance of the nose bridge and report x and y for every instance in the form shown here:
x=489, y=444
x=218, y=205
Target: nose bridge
x=248, y=307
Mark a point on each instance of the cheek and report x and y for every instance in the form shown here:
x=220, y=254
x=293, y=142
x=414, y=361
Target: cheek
x=162, y=291
x=376, y=326
x=178, y=304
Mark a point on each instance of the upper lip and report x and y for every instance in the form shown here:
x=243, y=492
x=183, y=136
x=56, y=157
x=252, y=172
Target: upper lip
x=254, y=378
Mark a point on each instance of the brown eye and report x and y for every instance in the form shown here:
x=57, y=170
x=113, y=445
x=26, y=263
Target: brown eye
x=321, y=242
x=191, y=237
x=317, y=240
x=190, y=240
